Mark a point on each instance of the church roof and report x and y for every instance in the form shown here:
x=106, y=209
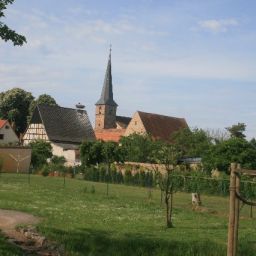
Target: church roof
x=64, y=125
x=160, y=126
x=123, y=121
x=107, y=90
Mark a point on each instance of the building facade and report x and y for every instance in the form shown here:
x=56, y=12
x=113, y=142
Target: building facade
x=64, y=128
x=7, y=134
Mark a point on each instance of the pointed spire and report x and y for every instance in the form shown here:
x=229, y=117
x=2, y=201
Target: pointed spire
x=107, y=90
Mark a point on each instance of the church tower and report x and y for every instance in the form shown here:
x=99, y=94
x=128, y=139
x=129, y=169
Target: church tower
x=105, y=116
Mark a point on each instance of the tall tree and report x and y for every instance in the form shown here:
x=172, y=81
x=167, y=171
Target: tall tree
x=14, y=106
x=237, y=130
x=233, y=150
x=192, y=143
x=42, y=99
x=6, y=33
x=137, y=148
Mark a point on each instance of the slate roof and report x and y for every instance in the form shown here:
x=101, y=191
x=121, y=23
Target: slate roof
x=107, y=90
x=160, y=126
x=2, y=123
x=123, y=121
x=64, y=125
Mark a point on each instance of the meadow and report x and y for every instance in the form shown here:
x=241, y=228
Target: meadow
x=85, y=221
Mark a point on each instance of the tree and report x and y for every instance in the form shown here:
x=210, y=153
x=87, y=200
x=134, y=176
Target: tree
x=237, y=130
x=42, y=99
x=6, y=33
x=41, y=151
x=111, y=155
x=233, y=150
x=137, y=148
x=14, y=106
x=168, y=156
x=192, y=143
x=91, y=153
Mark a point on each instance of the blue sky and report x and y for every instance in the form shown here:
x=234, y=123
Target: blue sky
x=186, y=58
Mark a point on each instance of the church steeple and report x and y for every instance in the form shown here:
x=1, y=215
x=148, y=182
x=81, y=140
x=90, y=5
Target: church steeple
x=106, y=106
x=107, y=89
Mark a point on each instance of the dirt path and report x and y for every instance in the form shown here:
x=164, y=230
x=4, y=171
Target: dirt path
x=27, y=238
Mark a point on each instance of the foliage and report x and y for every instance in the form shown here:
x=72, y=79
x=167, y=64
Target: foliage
x=14, y=106
x=237, y=130
x=41, y=151
x=192, y=143
x=6, y=33
x=45, y=170
x=96, y=152
x=91, y=153
x=42, y=99
x=58, y=160
x=233, y=150
x=137, y=148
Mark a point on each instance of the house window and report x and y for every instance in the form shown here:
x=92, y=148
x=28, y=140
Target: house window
x=7, y=127
x=1, y=136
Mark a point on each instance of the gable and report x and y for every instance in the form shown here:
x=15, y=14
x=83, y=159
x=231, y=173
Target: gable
x=135, y=126
x=160, y=126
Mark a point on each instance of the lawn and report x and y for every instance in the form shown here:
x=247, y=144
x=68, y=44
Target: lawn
x=126, y=222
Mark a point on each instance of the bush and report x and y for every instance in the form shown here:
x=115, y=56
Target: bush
x=45, y=170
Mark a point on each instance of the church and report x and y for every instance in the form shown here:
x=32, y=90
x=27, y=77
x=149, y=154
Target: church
x=111, y=127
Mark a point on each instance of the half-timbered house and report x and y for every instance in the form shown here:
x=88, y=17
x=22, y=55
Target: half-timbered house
x=64, y=128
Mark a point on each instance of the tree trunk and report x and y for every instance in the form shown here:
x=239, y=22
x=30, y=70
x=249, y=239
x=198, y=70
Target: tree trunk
x=196, y=200
x=168, y=202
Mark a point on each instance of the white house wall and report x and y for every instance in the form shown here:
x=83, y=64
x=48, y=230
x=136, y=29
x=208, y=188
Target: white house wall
x=58, y=149
x=35, y=132
x=9, y=135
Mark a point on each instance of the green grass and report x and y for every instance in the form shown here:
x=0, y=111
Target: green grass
x=124, y=223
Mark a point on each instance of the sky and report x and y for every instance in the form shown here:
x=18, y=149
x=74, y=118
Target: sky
x=194, y=59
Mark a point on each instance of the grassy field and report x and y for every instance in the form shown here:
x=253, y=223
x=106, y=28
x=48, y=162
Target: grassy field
x=126, y=222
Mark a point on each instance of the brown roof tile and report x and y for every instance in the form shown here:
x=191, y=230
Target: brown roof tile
x=160, y=126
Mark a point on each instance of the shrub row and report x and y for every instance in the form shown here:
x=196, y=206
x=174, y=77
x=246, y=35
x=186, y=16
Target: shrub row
x=189, y=182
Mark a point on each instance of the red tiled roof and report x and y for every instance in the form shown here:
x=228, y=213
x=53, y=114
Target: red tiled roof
x=2, y=123
x=161, y=127
x=109, y=134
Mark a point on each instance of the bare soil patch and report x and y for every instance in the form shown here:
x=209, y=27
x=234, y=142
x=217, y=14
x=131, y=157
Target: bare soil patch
x=27, y=237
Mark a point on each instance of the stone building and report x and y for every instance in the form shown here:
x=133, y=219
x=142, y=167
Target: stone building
x=158, y=126
x=64, y=128
x=110, y=127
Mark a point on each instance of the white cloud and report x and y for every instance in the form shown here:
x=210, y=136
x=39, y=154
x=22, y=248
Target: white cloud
x=220, y=25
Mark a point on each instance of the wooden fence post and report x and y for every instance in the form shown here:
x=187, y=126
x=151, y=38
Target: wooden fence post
x=237, y=208
x=232, y=207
